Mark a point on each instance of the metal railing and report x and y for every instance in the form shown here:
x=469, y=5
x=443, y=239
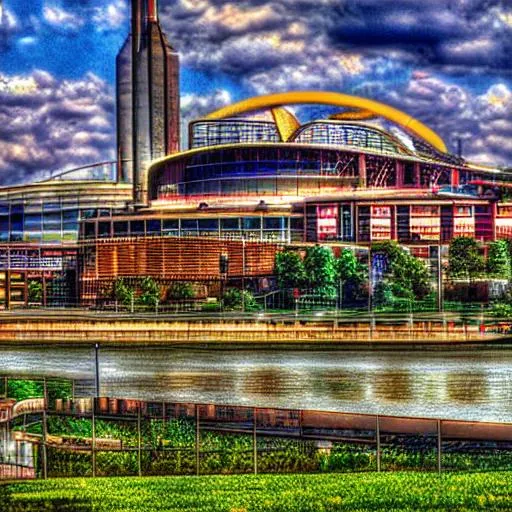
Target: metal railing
x=109, y=436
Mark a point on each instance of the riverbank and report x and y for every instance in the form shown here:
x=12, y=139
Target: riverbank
x=266, y=493
x=257, y=330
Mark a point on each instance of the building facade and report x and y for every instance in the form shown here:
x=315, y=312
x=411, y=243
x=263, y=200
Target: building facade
x=253, y=181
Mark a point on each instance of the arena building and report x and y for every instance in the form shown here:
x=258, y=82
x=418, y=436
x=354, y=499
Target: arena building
x=253, y=181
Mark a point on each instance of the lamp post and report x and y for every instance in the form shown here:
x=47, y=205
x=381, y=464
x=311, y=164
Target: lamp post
x=97, y=369
x=243, y=275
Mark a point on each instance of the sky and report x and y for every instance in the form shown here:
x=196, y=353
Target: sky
x=446, y=62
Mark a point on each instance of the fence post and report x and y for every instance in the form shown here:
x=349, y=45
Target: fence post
x=254, y=442
x=45, y=432
x=139, y=439
x=377, y=434
x=439, y=453
x=93, y=444
x=197, y=439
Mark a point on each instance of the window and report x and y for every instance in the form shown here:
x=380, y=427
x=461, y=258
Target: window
x=251, y=223
x=170, y=224
x=229, y=224
x=120, y=228
x=154, y=226
x=104, y=229
x=137, y=227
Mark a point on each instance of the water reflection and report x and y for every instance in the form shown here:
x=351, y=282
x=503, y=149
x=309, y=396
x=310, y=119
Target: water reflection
x=468, y=387
x=393, y=385
x=467, y=384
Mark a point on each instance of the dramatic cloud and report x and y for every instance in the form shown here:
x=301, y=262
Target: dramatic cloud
x=48, y=124
x=194, y=106
x=447, y=63
x=482, y=121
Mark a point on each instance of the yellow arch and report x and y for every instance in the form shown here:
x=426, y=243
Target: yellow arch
x=353, y=115
x=333, y=98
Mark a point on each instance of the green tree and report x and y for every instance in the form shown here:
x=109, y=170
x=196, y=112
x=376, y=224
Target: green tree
x=408, y=276
x=289, y=269
x=349, y=272
x=150, y=292
x=23, y=389
x=35, y=291
x=122, y=292
x=320, y=270
x=464, y=258
x=383, y=294
x=180, y=291
x=234, y=300
x=498, y=260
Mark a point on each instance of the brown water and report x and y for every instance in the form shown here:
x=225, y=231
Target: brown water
x=466, y=384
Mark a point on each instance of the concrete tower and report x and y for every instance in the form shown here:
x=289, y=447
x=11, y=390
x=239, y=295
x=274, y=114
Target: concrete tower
x=148, y=116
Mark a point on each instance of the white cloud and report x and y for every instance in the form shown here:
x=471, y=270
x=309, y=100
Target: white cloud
x=111, y=16
x=61, y=19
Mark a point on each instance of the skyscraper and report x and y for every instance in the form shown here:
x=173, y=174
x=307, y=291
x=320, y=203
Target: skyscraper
x=148, y=121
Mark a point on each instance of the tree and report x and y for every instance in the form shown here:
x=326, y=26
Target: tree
x=122, y=292
x=464, y=258
x=289, y=269
x=150, y=292
x=180, y=291
x=35, y=291
x=320, y=271
x=383, y=295
x=408, y=276
x=233, y=300
x=498, y=260
x=349, y=272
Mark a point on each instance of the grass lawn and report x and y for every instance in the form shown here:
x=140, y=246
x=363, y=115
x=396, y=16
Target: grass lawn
x=247, y=493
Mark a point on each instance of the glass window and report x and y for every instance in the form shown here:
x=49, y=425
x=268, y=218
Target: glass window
x=189, y=224
x=273, y=223
x=70, y=226
x=88, y=214
x=51, y=206
x=32, y=222
x=154, y=226
x=251, y=222
x=104, y=229
x=137, y=227
x=68, y=215
x=52, y=218
x=170, y=224
x=208, y=225
x=297, y=223
x=89, y=229
x=230, y=223
x=121, y=227
x=4, y=228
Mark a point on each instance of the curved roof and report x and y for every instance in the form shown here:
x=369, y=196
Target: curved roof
x=393, y=141
x=402, y=119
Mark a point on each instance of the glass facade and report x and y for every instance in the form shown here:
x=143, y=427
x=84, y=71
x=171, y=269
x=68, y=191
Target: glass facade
x=343, y=134
x=265, y=228
x=214, y=133
x=257, y=171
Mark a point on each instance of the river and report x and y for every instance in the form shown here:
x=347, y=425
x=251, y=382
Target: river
x=466, y=383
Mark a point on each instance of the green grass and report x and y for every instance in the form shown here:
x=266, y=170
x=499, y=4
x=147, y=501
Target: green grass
x=273, y=493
